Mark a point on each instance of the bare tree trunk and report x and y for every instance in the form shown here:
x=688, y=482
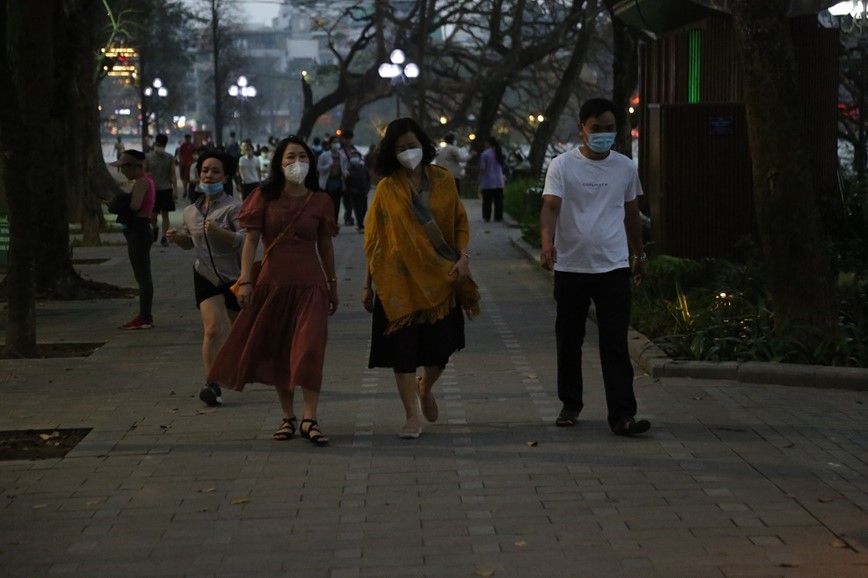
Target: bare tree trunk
x=70, y=139
x=625, y=77
x=558, y=103
x=313, y=110
x=489, y=104
x=89, y=178
x=218, y=76
x=362, y=91
x=798, y=265
x=27, y=64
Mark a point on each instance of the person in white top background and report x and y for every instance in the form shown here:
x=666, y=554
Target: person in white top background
x=249, y=170
x=452, y=158
x=589, y=226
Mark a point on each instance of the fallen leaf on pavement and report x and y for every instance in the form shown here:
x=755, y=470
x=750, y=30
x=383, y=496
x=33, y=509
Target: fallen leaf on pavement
x=40, y=506
x=839, y=543
x=520, y=543
x=532, y=444
x=484, y=572
x=240, y=501
x=826, y=500
x=205, y=411
x=207, y=491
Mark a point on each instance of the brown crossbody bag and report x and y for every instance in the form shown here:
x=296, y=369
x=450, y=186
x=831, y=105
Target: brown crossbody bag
x=257, y=265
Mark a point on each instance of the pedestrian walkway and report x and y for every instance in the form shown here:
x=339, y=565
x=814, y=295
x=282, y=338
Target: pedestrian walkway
x=733, y=479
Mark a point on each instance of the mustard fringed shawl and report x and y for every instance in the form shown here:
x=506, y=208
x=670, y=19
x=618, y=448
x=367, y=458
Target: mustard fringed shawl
x=411, y=279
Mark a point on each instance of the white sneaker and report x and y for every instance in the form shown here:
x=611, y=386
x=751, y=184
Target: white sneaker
x=411, y=429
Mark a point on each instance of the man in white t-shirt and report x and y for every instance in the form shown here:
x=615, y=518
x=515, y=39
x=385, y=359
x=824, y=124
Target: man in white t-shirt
x=452, y=159
x=589, y=225
x=249, y=170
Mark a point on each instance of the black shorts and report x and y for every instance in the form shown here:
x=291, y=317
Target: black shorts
x=165, y=201
x=204, y=289
x=248, y=188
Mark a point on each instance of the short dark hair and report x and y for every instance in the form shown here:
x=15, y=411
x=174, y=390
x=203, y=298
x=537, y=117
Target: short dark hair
x=347, y=133
x=136, y=154
x=387, y=161
x=449, y=138
x=227, y=160
x=275, y=182
x=161, y=140
x=594, y=107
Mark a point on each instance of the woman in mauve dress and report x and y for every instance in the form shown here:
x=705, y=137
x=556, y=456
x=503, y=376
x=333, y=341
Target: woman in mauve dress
x=280, y=336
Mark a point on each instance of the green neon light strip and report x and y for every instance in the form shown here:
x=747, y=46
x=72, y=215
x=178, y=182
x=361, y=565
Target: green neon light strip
x=694, y=70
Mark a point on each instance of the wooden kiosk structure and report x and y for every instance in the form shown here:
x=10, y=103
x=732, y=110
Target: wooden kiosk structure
x=694, y=157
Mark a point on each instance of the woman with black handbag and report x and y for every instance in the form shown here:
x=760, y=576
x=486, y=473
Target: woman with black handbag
x=211, y=228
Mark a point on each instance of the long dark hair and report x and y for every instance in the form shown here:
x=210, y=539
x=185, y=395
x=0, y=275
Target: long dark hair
x=387, y=161
x=275, y=182
x=498, y=152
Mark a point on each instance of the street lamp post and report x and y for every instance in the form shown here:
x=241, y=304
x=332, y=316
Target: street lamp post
x=156, y=89
x=853, y=18
x=398, y=71
x=242, y=90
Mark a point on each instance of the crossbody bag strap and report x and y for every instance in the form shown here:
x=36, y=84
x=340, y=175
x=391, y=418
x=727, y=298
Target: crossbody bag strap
x=286, y=229
x=432, y=230
x=208, y=244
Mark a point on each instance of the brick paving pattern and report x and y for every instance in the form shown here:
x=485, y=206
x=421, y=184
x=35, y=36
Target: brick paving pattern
x=733, y=479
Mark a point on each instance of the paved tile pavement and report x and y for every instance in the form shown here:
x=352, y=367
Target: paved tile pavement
x=733, y=480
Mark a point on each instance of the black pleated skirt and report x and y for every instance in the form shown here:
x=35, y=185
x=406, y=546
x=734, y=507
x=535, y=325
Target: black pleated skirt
x=427, y=344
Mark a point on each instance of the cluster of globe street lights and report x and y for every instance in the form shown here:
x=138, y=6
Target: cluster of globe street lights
x=398, y=71
x=242, y=90
x=155, y=89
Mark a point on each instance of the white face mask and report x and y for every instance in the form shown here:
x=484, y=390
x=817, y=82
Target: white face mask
x=296, y=172
x=410, y=158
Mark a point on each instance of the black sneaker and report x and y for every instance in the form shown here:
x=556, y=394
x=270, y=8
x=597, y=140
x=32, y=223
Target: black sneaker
x=164, y=242
x=567, y=418
x=630, y=427
x=211, y=394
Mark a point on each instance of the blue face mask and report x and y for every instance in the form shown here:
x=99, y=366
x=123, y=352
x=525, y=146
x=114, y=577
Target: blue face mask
x=211, y=189
x=601, y=142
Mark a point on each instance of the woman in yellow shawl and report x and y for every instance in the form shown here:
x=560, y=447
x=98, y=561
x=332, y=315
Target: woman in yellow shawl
x=417, y=279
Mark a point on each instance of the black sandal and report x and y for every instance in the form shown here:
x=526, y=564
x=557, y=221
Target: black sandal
x=313, y=433
x=286, y=431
